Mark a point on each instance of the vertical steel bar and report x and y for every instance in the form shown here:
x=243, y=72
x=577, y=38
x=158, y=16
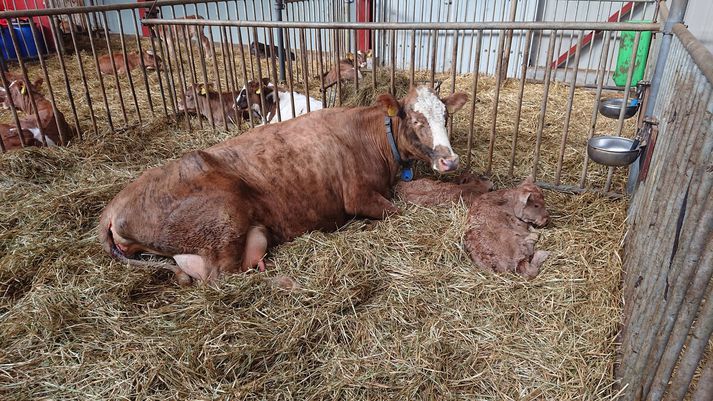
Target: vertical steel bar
x=570, y=100
x=543, y=107
x=87, y=96
x=305, y=77
x=393, y=62
x=126, y=63
x=101, y=79
x=113, y=67
x=143, y=67
x=494, y=114
x=356, y=63
x=601, y=74
x=476, y=74
x=521, y=93
x=217, y=77
x=413, y=58
x=274, y=77
x=454, y=58
x=245, y=76
x=433, y=56
x=290, y=76
x=320, y=67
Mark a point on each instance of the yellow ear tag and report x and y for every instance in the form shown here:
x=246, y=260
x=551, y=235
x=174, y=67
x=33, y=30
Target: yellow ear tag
x=257, y=91
x=204, y=91
x=391, y=111
x=23, y=90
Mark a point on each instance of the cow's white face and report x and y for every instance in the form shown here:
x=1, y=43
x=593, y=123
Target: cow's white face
x=424, y=117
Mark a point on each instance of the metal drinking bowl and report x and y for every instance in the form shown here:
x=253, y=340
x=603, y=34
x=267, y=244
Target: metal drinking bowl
x=612, y=150
x=611, y=107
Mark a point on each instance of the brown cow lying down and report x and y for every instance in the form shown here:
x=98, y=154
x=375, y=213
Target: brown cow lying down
x=499, y=235
x=217, y=210
x=132, y=61
x=427, y=192
x=12, y=77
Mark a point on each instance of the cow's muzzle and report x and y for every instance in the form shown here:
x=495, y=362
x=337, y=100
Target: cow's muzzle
x=446, y=164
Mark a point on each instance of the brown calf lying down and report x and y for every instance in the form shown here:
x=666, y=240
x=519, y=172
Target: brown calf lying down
x=345, y=69
x=132, y=62
x=11, y=77
x=12, y=141
x=203, y=100
x=218, y=210
x=45, y=121
x=427, y=192
x=499, y=235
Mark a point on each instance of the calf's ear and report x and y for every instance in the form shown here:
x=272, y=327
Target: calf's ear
x=390, y=104
x=528, y=180
x=523, y=197
x=266, y=82
x=455, y=101
x=350, y=56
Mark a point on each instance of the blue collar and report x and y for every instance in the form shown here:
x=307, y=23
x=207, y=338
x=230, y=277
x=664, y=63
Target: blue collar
x=405, y=165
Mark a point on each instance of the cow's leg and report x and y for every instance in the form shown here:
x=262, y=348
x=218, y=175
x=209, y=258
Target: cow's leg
x=255, y=248
x=373, y=206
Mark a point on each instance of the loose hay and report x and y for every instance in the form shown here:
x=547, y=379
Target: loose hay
x=388, y=310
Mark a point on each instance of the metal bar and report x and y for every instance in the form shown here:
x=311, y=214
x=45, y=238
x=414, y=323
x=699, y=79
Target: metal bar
x=274, y=77
x=356, y=63
x=595, y=112
x=570, y=100
x=143, y=67
x=245, y=77
x=393, y=62
x=87, y=96
x=101, y=79
x=44, y=12
x=305, y=74
x=217, y=80
x=126, y=62
x=494, y=115
x=181, y=70
x=113, y=67
x=433, y=56
x=523, y=78
x=454, y=58
x=476, y=74
x=412, y=66
x=320, y=66
x=543, y=107
x=495, y=25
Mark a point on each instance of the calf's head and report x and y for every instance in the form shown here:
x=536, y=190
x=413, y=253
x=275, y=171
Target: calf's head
x=530, y=204
x=422, y=125
x=19, y=94
x=196, y=95
x=249, y=97
x=361, y=58
x=152, y=61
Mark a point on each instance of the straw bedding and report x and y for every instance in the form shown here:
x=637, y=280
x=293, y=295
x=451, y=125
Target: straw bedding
x=389, y=309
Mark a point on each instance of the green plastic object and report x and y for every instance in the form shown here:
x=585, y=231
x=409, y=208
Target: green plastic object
x=626, y=47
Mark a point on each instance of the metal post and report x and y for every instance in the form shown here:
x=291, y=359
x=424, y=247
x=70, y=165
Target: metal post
x=277, y=16
x=675, y=16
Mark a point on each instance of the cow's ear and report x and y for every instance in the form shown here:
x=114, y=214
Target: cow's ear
x=369, y=53
x=350, y=56
x=455, y=101
x=266, y=82
x=38, y=82
x=528, y=180
x=23, y=87
x=390, y=104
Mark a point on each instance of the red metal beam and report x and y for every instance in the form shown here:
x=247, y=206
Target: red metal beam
x=590, y=36
x=363, y=11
